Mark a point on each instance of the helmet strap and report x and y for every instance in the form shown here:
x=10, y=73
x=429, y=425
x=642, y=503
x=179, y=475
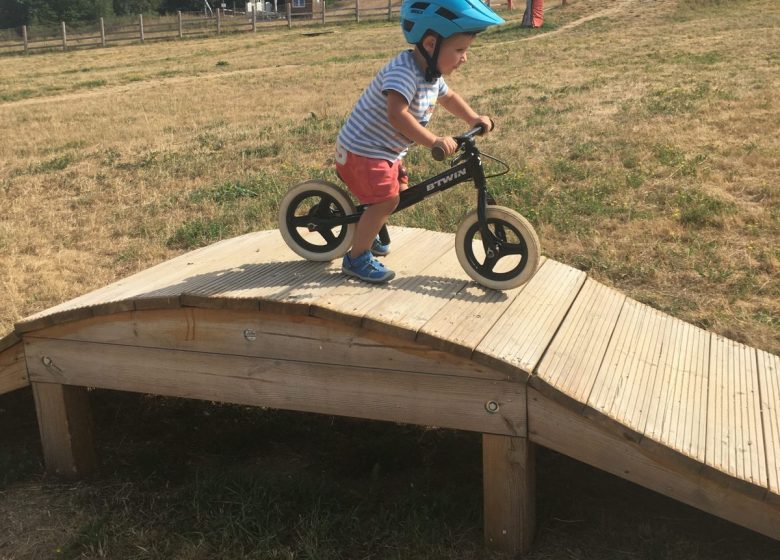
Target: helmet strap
x=432, y=71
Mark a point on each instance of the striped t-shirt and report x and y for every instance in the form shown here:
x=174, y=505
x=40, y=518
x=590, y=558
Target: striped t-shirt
x=367, y=131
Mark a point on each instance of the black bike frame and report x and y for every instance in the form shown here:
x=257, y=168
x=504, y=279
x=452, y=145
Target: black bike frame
x=469, y=169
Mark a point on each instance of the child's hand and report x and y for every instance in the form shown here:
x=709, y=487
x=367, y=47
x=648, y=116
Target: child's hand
x=447, y=144
x=485, y=122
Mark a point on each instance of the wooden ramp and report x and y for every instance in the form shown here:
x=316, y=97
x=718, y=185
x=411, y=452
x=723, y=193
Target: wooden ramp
x=563, y=362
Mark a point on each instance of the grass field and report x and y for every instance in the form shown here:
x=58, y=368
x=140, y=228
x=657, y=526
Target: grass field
x=644, y=140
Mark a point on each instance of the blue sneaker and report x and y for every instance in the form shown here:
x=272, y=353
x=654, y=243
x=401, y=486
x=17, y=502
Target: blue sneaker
x=367, y=268
x=379, y=249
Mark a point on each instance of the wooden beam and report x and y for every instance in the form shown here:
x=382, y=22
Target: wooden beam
x=65, y=424
x=380, y=394
x=266, y=335
x=556, y=427
x=509, y=493
x=13, y=370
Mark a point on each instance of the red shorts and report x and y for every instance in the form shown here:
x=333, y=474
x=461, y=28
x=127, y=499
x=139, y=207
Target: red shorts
x=370, y=180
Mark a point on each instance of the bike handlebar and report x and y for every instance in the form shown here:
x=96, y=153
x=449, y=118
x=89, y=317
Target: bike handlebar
x=438, y=152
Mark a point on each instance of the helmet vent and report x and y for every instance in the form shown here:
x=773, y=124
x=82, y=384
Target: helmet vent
x=407, y=25
x=419, y=5
x=445, y=13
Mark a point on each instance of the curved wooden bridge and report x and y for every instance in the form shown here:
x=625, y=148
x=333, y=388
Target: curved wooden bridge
x=563, y=362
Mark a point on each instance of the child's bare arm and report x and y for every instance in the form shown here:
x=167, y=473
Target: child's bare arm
x=458, y=106
x=404, y=122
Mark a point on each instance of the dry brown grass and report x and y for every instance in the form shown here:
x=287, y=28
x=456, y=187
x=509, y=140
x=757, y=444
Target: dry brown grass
x=644, y=140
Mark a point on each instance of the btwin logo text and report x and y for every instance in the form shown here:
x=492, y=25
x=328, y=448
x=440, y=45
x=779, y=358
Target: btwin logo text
x=445, y=180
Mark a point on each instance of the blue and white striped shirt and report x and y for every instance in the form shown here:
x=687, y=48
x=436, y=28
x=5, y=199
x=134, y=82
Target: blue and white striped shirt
x=367, y=131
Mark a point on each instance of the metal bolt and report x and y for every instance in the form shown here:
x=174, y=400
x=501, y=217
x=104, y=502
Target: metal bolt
x=492, y=407
x=46, y=361
x=250, y=335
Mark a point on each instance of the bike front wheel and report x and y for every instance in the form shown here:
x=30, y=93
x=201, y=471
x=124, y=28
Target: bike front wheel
x=309, y=220
x=507, y=258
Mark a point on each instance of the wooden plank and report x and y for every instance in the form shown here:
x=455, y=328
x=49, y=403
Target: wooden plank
x=230, y=265
x=769, y=383
x=575, y=355
x=65, y=425
x=13, y=369
x=9, y=340
x=519, y=338
x=424, y=296
x=351, y=301
x=560, y=429
x=464, y=321
x=735, y=439
x=509, y=485
x=266, y=335
x=154, y=287
x=679, y=416
x=396, y=396
x=313, y=285
x=625, y=385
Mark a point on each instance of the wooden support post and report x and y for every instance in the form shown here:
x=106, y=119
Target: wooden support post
x=254, y=17
x=323, y=11
x=357, y=11
x=289, y=15
x=24, y=37
x=509, y=493
x=389, y=10
x=64, y=38
x=141, y=26
x=65, y=423
x=181, y=26
x=219, y=21
x=102, y=33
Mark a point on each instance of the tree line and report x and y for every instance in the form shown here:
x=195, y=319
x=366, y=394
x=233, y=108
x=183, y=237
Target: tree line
x=15, y=13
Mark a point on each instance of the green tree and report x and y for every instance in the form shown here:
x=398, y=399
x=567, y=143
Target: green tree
x=126, y=7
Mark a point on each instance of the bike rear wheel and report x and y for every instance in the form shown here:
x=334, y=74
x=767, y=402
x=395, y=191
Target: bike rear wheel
x=308, y=216
x=508, y=258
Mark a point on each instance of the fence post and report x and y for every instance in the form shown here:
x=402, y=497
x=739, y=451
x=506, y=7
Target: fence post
x=141, y=26
x=254, y=16
x=389, y=10
x=289, y=15
x=24, y=36
x=102, y=33
x=357, y=11
x=181, y=28
x=323, y=11
x=219, y=21
x=64, y=38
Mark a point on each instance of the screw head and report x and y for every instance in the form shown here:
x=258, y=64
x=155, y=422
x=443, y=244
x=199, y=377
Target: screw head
x=250, y=335
x=492, y=407
x=46, y=361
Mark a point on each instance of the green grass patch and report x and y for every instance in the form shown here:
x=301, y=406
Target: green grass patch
x=230, y=191
x=199, y=232
x=57, y=163
x=265, y=150
x=89, y=84
x=698, y=209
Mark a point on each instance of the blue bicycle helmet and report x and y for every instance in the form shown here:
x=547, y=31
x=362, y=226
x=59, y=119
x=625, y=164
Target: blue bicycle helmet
x=444, y=18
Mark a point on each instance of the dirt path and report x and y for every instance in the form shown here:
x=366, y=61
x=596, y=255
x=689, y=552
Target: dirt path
x=125, y=89
x=616, y=8
x=135, y=86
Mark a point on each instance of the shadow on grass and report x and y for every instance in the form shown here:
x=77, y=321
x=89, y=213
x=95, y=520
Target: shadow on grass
x=189, y=479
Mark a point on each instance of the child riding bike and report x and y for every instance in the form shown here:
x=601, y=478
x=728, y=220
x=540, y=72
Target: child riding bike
x=394, y=111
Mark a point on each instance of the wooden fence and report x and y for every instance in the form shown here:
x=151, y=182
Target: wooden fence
x=180, y=26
